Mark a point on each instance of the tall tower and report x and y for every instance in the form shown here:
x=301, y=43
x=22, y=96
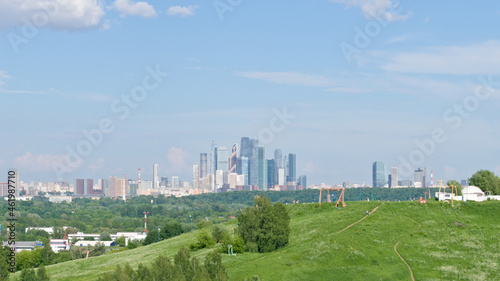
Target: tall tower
x=262, y=168
x=124, y=191
x=213, y=158
x=394, y=176
x=203, y=165
x=379, y=178
x=292, y=168
x=156, y=182
x=432, y=179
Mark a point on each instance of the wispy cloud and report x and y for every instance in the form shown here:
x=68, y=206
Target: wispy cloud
x=37, y=163
x=371, y=9
x=128, y=7
x=62, y=15
x=291, y=78
x=181, y=11
x=477, y=58
x=177, y=160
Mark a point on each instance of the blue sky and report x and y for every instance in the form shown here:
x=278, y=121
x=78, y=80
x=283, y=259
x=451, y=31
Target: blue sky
x=410, y=83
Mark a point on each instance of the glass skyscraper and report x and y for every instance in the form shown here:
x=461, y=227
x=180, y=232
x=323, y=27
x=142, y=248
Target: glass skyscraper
x=292, y=168
x=271, y=179
x=249, y=149
x=379, y=178
x=262, y=168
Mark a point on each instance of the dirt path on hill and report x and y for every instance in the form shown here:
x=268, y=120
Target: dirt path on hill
x=396, y=249
x=359, y=220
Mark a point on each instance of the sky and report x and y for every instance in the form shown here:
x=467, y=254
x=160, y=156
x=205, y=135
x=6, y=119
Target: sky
x=91, y=89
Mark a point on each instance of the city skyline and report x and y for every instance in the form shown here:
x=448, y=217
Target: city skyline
x=341, y=83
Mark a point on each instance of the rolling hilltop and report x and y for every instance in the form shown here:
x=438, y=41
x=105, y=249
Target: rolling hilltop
x=436, y=241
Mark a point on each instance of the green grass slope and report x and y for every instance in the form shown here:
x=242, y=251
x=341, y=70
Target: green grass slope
x=437, y=241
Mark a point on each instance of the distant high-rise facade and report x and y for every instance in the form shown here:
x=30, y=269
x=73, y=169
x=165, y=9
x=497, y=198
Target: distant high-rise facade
x=156, y=182
x=419, y=177
x=79, y=187
x=222, y=159
x=262, y=168
x=213, y=158
x=249, y=149
x=271, y=182
x=394, y=177
x=203, y=165
x=233, y=159
x=278, y=163
x=89, y=190
x=196, y=175
x=303, y=181
x=175, y=182
x=84, y=187
x=115, y=187
x=242, y=168
x=281, y=176
x=292, y=162
x=379, y=178
x=285, y=162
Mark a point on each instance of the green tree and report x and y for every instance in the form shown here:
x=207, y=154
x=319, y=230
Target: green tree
x=203, y=240
x=264, y=227
x=214, y=266
x=486, y=181
x=238, y=244
x=151, y=238
x=171, y=230
x=42, y=274
x=457, y=185
x=200, y=272
x=183, y=264
x=105, y=236
x=28, y=274
x=120, y=241
x=143, y=273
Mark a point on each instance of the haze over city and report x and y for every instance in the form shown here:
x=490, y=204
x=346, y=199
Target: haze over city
x=341, y=84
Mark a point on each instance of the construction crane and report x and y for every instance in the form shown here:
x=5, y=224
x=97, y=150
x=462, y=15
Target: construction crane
x=341, y=196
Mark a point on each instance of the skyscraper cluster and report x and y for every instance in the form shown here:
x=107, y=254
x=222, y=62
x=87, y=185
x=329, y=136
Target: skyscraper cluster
x=380, y=179
x=245, y=167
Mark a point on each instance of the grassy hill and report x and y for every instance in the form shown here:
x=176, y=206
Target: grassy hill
x=438, y=243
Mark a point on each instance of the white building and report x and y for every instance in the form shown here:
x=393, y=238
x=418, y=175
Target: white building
x=471, y=193
x=59, y=244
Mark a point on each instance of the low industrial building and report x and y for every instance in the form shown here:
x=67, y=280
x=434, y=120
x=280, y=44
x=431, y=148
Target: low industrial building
x=469, y=193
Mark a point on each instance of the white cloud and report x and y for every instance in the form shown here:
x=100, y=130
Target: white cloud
x=426, y=20
x=182, y=11
x=128, y=7
x=95, y=167
x=40, y=162
x=177, y=160
x=478, y=58
x=372, y=9
x=54, y=14
x=3, y=76
x=292, y=78
x=353, y=90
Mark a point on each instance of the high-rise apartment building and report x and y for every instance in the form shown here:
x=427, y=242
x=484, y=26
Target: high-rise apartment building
x=379, y=178
x=222, y=159
x=278, y=164
x=79, y=187
x=303, y=181
x=203, y=165
x=394, y=177
x=196, y=175
x=419, y=178
x=89, y=190
x=156, y=181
